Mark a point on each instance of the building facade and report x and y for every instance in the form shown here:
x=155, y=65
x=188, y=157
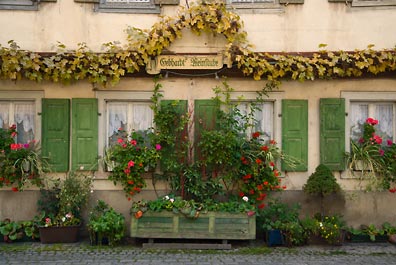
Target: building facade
x=85, y=113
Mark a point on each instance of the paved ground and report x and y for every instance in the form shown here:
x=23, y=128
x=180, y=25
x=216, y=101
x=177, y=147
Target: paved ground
x=240, y=254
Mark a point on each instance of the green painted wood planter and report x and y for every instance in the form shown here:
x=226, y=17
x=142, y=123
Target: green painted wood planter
x=211, y=225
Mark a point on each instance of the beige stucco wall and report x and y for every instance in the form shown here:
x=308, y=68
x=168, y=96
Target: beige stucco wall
x=201, y=88
x=287, y=28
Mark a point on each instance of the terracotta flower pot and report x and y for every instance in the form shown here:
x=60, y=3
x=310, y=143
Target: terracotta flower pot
x=392, y=239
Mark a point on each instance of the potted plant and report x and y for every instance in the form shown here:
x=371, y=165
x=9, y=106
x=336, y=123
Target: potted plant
x=61, y=220
x=324, y=229
x=20, y=164
x=373, y=158
x=390, y=232
x=105, y=225
x=281, y=224
x=321, y=183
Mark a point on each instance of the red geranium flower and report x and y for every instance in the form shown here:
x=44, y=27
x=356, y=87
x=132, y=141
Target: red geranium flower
x=256, y=135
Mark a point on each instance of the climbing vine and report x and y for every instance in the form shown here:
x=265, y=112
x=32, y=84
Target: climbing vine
x=143, y=45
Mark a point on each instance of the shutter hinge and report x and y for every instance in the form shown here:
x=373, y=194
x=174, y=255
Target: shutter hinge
x=346, y=113
x=280, y=115
x=39, y=113
x=99, y=114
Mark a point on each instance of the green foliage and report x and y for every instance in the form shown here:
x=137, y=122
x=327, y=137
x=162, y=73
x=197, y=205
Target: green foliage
x=322, y=182
x=133, y=155
x=191, y=208
x=277, y=214
x=108, y=67
x=372, y=159
x=330, y=228
x=11, y=230
x=105, y=223
x=62, y=202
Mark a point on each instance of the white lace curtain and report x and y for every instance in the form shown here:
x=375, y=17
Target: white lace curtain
x=22, y=114
x=383, y=112
x=129, y=116
x=263, y=116
x=4, y=113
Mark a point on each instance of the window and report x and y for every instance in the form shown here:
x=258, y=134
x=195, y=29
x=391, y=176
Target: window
x=362, y=105
x=266, y=115
x=22, y=114
x=381, y=111
x=21, y=108
x=130, y=116
x=254, y=4
x=127, y=6
x=373, y=2
x=19, y=4
x=262, y=118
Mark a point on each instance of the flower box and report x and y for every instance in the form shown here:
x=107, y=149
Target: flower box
x=59, y=234
x=211, y=225
x=366, y=239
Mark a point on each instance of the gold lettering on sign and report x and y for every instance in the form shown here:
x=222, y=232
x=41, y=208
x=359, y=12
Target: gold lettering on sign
x=189, y=62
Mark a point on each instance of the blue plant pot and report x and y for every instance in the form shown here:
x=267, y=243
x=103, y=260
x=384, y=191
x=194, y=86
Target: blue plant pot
x=274, y=238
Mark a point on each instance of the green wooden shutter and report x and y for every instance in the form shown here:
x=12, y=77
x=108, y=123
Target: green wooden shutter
x=295, y=132
x=204, y=119
x=55, y=133
x=332, y=132
x=84, y=134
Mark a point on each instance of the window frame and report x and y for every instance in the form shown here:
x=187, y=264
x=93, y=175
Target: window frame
x=276, y=98
x=367, y=97
x=274, y=6
x=30, y=5
x=144, y=8
x=35, y=96
x=370, y=3
x=105, y=96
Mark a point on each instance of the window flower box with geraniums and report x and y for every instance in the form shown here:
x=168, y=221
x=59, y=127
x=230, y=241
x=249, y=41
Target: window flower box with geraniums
x=131, y=157
x=21, y=165
x=374, y=158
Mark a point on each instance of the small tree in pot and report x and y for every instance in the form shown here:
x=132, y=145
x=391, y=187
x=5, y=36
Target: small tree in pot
x=321, y=183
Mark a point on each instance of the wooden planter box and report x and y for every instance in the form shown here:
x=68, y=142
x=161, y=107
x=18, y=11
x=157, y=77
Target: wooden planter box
x=211, y=225
x=366, y=239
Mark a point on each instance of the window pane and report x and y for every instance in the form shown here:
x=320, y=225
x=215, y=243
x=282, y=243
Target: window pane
x=117, y=119
x=358, y=116
x=4, y=114
x=264, y=120
x=384, y=115
x=129, y=116
x=24, y=120
x=142, y=117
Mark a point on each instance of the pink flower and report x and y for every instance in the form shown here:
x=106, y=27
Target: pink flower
x=133, y=142
x=47, y=220
x=361, y=140
x=372, y=121
x=389, y=142
x=127, y=171
x=13, y=134
x=119, y=140
x=124, y=146
x=157, y=147
x=131, y=164
x=381, y=152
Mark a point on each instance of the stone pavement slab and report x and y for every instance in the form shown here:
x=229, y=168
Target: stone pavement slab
x=240, y=254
